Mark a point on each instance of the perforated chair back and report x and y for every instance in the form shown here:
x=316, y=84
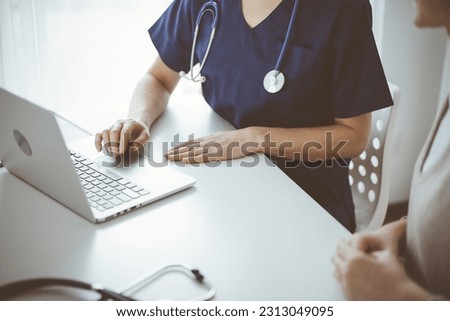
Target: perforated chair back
x=369, y=173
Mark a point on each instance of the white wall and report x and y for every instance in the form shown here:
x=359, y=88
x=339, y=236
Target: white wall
x=413, y=60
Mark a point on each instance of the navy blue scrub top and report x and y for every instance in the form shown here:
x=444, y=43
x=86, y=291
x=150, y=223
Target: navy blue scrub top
x=332, y=70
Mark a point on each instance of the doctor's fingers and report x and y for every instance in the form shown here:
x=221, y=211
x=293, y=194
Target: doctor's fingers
x=211, y=150
x=114, y=137
x=110, y=139
x=203, y=158
x=98, y=142
x=185, y=146
x=127, y=135
x=103, y=139
x=186, y=152
x=138, y=144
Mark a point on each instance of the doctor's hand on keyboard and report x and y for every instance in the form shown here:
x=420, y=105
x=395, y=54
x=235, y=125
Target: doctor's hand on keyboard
x=129, y=134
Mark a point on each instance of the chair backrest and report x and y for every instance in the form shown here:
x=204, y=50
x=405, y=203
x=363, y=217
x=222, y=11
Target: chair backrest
x=369, y=173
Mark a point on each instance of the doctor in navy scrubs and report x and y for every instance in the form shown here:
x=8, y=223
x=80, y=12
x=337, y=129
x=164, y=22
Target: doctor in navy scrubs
x=311, y=127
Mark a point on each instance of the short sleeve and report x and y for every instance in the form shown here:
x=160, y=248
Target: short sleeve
x=172, y=34
x=359, y=84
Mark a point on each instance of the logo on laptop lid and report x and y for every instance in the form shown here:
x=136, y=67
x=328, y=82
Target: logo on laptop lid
x=22, y=142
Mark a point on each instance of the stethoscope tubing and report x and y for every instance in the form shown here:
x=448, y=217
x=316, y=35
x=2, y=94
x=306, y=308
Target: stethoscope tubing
x=13, y=289
x=209, y=7
x=212, y=7
x=274, y=76
x=288, y=36
x=143, y=281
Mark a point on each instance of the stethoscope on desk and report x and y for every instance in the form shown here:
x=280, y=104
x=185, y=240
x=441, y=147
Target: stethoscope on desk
x=12, y=290
x=274, y=79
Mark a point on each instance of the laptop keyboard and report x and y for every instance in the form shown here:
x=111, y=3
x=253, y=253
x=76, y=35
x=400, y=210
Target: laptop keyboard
x=104, y=189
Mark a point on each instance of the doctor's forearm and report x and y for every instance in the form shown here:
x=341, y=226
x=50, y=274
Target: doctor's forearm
x=310, y=144
x=152, y=93
x=149, y=100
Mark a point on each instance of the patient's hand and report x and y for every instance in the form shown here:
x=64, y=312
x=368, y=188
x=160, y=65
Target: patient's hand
x=369, y=268
x=389, y=237
x=374, y=276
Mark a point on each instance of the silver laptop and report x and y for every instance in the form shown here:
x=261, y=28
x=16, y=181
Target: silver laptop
x=32, y=148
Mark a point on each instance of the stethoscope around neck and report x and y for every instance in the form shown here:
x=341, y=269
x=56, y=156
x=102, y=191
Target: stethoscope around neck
x=273, y=81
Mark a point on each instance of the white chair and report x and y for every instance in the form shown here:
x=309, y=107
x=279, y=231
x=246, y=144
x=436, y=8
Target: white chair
x=369, y=173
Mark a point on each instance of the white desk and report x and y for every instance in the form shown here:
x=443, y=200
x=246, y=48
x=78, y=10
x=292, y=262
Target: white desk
x=252, y=231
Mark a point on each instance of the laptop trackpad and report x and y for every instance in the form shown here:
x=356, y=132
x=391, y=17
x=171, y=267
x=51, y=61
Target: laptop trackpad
x=123, y=161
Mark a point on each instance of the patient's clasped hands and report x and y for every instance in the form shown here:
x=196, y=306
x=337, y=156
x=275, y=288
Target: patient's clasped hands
x=369, y=266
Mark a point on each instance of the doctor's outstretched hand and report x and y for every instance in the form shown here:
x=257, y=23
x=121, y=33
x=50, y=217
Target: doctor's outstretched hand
x=220, y=146
x=129, y=134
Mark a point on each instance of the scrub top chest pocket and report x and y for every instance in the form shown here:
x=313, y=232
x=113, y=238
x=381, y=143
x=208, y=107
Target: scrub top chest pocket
x=235, y=88
x=305, y=70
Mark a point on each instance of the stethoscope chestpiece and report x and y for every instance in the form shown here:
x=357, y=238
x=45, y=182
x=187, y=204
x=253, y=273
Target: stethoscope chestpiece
x=274, y=81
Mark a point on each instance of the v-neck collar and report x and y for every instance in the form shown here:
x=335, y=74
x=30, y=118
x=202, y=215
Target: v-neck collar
x=274, y=15
x=266, y=29
x=276, y=18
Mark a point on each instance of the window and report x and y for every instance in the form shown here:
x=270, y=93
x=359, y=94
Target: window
x=81, y=58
